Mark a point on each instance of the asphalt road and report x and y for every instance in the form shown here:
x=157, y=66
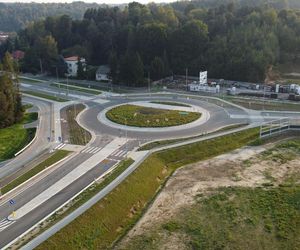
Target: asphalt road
x=219, y=117
x=41, y=142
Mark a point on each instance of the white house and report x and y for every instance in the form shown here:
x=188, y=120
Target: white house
x=72, y=65
x=102, y=73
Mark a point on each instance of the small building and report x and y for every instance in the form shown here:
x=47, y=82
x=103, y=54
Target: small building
x=102, y=73
x=72, y=65
x=18, y=55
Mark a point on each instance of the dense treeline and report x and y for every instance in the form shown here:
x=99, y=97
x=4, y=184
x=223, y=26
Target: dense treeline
x=15, y=16
x=229, y=41
x=11, y=110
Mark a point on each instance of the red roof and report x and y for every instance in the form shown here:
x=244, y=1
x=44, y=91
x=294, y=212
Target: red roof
x=72, y=58
x=18, y=54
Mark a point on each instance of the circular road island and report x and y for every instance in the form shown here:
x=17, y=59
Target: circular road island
x=141, y=116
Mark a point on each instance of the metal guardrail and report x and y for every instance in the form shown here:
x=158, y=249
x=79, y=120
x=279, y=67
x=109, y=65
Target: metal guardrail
x=279, y=126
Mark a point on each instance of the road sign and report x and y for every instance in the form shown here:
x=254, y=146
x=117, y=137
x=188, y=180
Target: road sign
x=12, y=202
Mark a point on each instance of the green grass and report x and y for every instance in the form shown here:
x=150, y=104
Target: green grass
x=72, y=87
x=77, y=134
x=29, y=117
x=171, y=103
x=234, y=218
x=27, y=106
x=46, y=96
x=13, y=139
x=113, y=216
x=31, y=80
x=267, y=105
x=161, y=143
x=58, y=155
x=138, y=116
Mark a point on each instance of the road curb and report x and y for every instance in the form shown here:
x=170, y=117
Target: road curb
x=36, y=176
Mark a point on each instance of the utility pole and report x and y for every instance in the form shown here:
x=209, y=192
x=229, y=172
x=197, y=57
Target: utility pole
x=41, y=65
x=149, y=87
x=186, y=78
x=67, y=85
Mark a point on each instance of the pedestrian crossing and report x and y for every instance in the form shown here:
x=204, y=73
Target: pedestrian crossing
x=5, y=223
x=119, y=153
x=60, y=146
x=91, y=150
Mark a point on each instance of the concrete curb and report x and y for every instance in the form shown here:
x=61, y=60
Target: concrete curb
x=60, y=207
x=36, y=176
x=65, y=221
x=29, y=144
x=81, y=125
x=205, y=116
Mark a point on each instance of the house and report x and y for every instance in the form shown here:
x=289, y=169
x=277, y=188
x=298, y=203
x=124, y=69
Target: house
x=18, y=55
x=72, y=65
x=102, y=73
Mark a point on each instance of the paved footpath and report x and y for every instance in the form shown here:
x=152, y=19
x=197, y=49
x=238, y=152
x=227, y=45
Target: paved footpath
x=69, y=178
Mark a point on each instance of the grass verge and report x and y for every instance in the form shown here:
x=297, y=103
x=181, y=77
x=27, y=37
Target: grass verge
x=113, y=216
x=58, y=155
x=267, y=105
x=171, y=103
x=79, y=200
x=138, y=116
x=13, y=139
x=161, y=143
x=46, y=96
x=77, y=134
x=76, y=88
x=29, y=117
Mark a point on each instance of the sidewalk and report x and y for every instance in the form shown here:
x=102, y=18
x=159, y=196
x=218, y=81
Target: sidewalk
x=69, y=178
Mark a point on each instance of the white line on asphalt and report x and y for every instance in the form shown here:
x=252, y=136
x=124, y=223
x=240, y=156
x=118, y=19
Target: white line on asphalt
x=72, y=176
x=119, y=153
x=94, y=150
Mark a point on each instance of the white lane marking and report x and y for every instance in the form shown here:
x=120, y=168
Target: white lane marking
x=123, y=153
x=98, y=150
x=72, y=176
x=94, y=151
x=85, y=150
x=120, y=152
x=5, y=223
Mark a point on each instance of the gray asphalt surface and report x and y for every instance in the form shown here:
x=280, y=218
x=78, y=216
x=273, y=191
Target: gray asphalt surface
x=38, y=145
x=219, y=117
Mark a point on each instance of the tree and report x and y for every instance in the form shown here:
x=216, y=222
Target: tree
x=80, y=69
x=132, y=69
x=10, y=99
x=113, y=65
x=157, y=69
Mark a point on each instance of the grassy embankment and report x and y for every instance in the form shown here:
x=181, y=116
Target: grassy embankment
x=138, y=116
x=14, y=138
x=161, y=143
x=46, y=96
x=266, y=105
x=171, y=103
x=58, y=155
x=102, y=224
x=76, y=88
x=264, y=217
x=77, y=134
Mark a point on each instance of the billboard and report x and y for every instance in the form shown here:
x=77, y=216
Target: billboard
x=203, y=77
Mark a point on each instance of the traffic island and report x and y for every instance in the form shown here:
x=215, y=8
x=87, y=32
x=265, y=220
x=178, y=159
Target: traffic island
x=139, y=116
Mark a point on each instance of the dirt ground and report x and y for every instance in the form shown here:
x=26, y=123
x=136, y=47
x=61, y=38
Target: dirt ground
x=245, y=167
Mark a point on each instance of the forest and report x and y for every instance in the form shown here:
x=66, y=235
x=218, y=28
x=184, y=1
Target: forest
x=11, y=110
x=233, y=41
x=15, y=16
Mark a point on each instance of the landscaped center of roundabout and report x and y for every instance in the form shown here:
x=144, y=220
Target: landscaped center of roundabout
x=152, y=114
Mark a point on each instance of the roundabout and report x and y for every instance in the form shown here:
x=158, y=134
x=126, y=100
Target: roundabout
x=154, y=118
x=210, y=117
